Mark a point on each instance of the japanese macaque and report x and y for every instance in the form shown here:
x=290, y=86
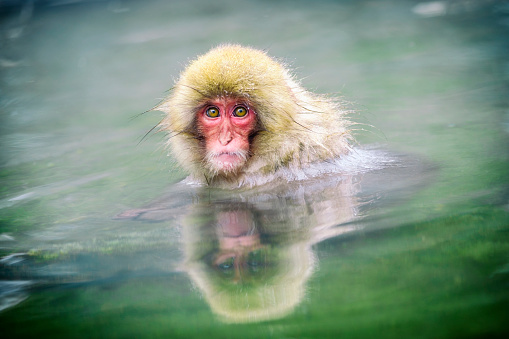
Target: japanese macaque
x=237, y=117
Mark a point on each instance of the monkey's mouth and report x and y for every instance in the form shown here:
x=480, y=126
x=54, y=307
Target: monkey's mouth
x=227, y=161
x=228, y=157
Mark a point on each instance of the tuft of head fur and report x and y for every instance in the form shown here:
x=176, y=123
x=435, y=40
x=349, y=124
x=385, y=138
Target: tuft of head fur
x=295, y=127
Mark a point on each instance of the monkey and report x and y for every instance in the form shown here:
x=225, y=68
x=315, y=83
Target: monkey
x=238, y=117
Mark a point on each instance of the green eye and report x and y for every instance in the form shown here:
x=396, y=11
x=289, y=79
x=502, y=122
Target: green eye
x=240, y=112
x=212, y=112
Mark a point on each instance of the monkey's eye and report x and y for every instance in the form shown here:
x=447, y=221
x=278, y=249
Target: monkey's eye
x=212, y=112
x=240, y=112
x=226, y=264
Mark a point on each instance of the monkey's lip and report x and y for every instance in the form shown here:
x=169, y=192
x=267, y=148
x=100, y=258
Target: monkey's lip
x=228, y=157
x=227, y=162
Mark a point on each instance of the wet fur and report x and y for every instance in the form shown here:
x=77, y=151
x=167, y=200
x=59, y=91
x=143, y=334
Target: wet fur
x=295, y=127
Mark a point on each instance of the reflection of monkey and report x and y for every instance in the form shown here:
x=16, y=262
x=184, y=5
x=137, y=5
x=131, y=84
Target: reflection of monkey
x=250, y=252
x=237, y=117
x=245, y=275
x=251, y=255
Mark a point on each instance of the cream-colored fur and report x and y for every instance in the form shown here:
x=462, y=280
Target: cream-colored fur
x=298, y=127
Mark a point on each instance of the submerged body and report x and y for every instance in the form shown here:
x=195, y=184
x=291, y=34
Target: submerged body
x=236, y=117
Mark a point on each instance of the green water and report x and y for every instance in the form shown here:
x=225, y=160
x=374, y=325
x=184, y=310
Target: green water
x=97, y=239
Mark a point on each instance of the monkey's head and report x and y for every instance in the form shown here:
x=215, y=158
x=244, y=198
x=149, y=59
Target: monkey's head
x=234, y=111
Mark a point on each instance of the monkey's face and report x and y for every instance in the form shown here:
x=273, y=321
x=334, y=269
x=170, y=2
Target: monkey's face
x=225, y=126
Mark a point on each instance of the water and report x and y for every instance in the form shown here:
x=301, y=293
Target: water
x=99, y=239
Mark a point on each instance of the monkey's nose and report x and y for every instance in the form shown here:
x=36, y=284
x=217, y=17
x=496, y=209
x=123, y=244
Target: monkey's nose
x=225, y=137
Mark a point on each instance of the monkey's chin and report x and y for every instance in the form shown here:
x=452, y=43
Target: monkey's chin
x=226, y=163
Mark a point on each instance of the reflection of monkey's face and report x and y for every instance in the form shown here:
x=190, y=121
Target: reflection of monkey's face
x=245, y=272
x=240, y=255
x=242, y=264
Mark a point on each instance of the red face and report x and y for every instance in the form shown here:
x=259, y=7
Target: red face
x=226, y=125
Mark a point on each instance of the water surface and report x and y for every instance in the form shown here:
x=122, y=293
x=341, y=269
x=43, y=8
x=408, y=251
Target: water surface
x=99, y=239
